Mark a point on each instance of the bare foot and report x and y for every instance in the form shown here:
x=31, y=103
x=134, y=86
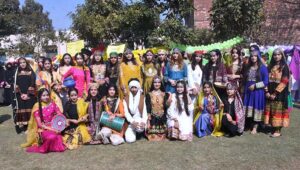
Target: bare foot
x=275, y=135
x=254, y=131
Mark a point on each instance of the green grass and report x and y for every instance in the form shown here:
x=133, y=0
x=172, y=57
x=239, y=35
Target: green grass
x=245, y=152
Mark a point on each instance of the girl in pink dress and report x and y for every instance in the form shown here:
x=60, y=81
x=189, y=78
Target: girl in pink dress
x=80, y=74
x=50, y=139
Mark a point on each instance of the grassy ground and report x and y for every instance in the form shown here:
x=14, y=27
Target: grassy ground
x=245, y=152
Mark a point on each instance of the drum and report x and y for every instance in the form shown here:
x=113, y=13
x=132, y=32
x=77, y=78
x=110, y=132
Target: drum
x=116, y=124
x=59, y=122
x=69, y=82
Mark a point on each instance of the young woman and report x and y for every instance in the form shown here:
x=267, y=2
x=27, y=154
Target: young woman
x=113, y=105
x=208, y=112
x=161, y=62
x=65, y=64
x=24, y=86
x=149, y=70
x=276, y=111
x=81, y=75
x=49, y=139
x=46, y=77
x=175, y=70
x=94, y=112
x=10, y=70
x=255, y=80
x=129, y=69
x=76, y=113
x=215, y=72
x=112, y=69
x=234, y=69
x=195, y=74
x=233, y=120
x=180, y=114
x=98, y=68
x=156, y=102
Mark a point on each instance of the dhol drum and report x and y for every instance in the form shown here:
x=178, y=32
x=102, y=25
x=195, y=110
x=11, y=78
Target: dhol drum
x=59, y=122
x=116, y=124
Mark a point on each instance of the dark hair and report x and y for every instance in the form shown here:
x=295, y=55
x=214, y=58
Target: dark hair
x=273, y=62
x=125, y=59
x=209, y=64
x=115, y=87
x=250, y=64
x=185, y=98
x=94, y=60
x=89, y=97
x=62, y=61
x=194, y=62
x=83, y=67
x=27, y=68
x=239, y=52
x=72, y=89
x=145, y=56
x=40, y=58
x=40, y=92
x=207, y=83
x=162, y=88
x=179, y=59
x=50, y=71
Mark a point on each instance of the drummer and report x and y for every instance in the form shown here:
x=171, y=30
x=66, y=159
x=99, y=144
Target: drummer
x=135, y=111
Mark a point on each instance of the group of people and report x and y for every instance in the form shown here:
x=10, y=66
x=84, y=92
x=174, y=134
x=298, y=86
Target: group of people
x=167, y=95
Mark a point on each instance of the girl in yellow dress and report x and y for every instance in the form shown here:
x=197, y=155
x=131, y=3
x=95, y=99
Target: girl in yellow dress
x=149, y=70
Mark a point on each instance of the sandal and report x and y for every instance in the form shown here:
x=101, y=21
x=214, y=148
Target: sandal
x=275, y=135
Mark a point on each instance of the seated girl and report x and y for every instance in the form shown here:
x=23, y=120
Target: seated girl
x=180, y=114
x=233, y=120
x=113, y=105
x=94, y=112
x=42, y=138
x=76, y=112
x=208, y=114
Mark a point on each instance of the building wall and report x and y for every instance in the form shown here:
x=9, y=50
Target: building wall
x=282, y=25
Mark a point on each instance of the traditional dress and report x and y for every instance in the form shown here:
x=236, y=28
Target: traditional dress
x=112, y=72
x=194, y=79
x=61, y=72
x=184, y=121
x=127, y=72
x=254, y=101
x=148, y=72
x=76, y=134
x=81, y=77
x=235, y=69
x=48, y=141
x=46, y=79
x=157, y=115
x=174, y=73
x=98, y=74
x=135, y=111
x=24, y=84
x=236, y=111
x=9, y=80
x=94, y=111
x=208, y=120
x=276, y=111
x=114, y=106
x=216, y=74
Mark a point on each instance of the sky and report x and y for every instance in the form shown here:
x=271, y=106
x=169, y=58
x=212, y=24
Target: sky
x=58, y=11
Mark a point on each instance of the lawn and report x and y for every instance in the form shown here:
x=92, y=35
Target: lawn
x=245, y=152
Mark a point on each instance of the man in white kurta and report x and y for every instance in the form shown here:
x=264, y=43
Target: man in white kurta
x=135, y=111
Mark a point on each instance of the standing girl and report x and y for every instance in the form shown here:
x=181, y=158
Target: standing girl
x=98, y=69
x=255, y=80
x=149, y=70
x=276, y=111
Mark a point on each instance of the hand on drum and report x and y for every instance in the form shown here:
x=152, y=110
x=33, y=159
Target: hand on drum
x=111, y=118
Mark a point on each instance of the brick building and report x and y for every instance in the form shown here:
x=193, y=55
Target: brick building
x=282, y=25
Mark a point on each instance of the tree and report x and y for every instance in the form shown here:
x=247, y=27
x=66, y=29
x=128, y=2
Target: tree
x=230, y=18
x=9, y=17
x=36, y=27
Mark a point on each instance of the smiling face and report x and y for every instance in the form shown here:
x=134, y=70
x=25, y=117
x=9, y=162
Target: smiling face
x=156, y=84
x=129, y=56
x=113, y=59
x=149, y=56
x=254, y=57
x=198, y=58
x=40, y=62
x=93, y=91
x=235, y=54
x=161, y=56
x=45, y=97
x=230, y=92
x=180, y=88
x=175, y=56
x=73, y=96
